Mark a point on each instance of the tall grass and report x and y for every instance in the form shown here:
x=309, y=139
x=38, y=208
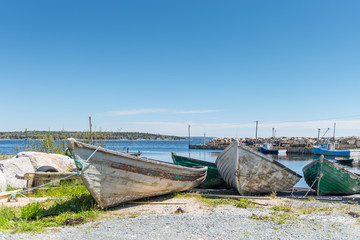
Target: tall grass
x=48, y=144
x=69, y=204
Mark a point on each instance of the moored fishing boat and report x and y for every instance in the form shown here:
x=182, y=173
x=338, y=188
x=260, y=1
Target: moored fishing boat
x=213, y=178
x=328, y=149
x=249, y=171
x=328, y=177
x=113, y=177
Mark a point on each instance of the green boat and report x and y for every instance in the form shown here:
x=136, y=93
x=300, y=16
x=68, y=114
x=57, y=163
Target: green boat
x=328, y=177
x=213, y=179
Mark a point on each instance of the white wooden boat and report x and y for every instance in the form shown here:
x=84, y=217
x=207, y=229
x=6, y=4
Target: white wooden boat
x=113, y=177
x=249, y=171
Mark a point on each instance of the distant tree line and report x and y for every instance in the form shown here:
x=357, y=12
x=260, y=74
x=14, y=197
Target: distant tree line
x=60, y=135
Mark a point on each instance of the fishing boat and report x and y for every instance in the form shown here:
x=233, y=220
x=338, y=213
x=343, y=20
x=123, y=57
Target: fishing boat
x=213, y=178
x=114, y=177
x=328, y=149
x=268, y=148
x=328, y=177
x=249, y=171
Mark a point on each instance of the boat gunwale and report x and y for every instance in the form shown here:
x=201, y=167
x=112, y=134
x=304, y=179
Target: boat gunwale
x=75, y=143
x=332, y=163
x=173, y=154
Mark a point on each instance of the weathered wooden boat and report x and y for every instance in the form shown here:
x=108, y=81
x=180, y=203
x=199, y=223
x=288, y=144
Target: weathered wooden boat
x=328, y=149
x=114, y=177
x=328, y=177
x=213, y=178
x=249, y=171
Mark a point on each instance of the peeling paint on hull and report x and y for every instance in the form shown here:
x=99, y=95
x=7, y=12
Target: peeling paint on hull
x=249, y=171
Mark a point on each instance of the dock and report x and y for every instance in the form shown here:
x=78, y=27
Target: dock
x=296, y=150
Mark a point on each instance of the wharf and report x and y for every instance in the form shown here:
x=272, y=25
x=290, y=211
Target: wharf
x=297, y=150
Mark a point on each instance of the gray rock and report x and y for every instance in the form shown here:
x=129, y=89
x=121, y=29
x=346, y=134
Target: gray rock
x=2, y=179
x=60, y=162
x=11, y=167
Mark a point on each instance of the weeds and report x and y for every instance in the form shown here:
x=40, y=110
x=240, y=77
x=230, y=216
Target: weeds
x=244, y=203
x=72, y=205
x=6, y=156
x=283, y=207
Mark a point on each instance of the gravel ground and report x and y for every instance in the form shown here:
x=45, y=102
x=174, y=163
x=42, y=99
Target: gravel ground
x=200, y=221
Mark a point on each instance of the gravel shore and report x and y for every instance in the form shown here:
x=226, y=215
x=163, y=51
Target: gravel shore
x=313, y=220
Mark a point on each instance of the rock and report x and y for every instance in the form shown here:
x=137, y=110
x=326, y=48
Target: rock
x=2, y=179
x=11, y=167
x=60, y=162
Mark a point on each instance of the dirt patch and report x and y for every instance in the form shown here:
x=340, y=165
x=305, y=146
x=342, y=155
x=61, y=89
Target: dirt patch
x=19, y=202
x=177, y=205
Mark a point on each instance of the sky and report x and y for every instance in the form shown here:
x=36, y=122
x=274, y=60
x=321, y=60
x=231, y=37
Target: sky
x=160, y=66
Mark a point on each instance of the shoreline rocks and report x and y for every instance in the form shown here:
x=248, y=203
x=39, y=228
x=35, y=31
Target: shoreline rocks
x=285, y=142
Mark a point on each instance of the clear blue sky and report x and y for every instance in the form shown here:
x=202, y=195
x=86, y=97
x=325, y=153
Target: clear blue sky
x=157, y=66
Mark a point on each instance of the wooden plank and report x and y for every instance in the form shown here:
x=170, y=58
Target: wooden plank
x=42, y=176
x=165, y=203
x=230, y=196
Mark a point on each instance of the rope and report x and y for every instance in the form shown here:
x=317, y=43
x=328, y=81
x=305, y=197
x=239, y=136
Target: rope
x=13, y=195
x=311, y=186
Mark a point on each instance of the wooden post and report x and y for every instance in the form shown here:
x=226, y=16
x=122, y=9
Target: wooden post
x=189, y=134
x=256, y=132
x=91, y=137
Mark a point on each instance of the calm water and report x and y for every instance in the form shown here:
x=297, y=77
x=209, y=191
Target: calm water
x=161, y=150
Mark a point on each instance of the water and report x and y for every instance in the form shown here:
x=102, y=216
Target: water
x=161, y=150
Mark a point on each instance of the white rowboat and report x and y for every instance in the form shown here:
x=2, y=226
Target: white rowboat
x=113, y=177
x=249, y=171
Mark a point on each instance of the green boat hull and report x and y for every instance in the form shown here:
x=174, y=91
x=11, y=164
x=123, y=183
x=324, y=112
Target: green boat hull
x=213, y=179
x=327, y=177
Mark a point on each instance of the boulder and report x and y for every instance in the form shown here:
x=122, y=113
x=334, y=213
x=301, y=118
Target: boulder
x=2, y=179
x=16, y=166
x=60, y=162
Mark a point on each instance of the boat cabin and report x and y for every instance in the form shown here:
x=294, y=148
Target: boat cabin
x=327, y=146
x=267, y=146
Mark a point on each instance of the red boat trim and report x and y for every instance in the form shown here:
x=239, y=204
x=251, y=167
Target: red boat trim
x=157, y=173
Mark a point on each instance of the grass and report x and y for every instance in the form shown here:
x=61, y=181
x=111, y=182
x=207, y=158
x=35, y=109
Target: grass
x=71, y=204
x=6, y=156
x=213, y=202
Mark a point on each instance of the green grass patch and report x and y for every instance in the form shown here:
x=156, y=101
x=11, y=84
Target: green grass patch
x=71, y=204
x=283, y=207
x=277, y=217
x=6, y=156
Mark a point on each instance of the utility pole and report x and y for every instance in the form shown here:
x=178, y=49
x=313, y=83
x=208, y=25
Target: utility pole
x=256, y=131
x=204, y=138
x=90, y=125
x=189, y=134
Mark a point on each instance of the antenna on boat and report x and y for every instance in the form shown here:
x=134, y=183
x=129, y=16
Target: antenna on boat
x=318, y=134
x=325, y=132
x=334, y=132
